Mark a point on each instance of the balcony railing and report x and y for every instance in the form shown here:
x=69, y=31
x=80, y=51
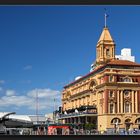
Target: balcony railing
x=76, y=114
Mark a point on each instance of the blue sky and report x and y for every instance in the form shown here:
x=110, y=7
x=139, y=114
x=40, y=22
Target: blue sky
x=43, y=48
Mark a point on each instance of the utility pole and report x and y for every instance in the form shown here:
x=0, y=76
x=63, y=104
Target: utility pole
x=37, y=105
x=54, y=111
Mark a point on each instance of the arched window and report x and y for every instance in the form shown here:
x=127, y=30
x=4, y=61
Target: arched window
x=115, y=120
x=107, y=52
x=127, y=121
x=127, y=79
x=137, y=121
x=92, y=84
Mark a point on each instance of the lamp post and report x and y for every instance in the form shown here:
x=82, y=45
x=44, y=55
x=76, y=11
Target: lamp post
x=86, y=114
x=117, y=127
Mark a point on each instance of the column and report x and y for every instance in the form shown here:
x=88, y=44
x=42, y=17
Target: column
x=136, y=99
x=122, y=102
x=106, y=101
x=116, y=107
x=86, y=100
x=71, y=120
x=78, y=120
x=74, y=119
x=112, y=52
x=100, y=51
x=118, y=101
x=86, y=119
x=132, y=101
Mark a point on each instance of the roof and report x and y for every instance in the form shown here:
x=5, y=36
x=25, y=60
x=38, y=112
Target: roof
x=84, y=76
x=20, y=117
x=4, y=114
x=123, y=63
x=105, y=36
x=37, y=118
x=112, y=62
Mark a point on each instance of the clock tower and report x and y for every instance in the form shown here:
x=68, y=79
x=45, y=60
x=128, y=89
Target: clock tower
x=105, y=49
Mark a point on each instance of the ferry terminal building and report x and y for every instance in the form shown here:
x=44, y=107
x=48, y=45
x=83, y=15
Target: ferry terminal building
x=109, y=96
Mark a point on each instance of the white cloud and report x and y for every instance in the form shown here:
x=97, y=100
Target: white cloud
x=45, y=99
x=10, y=92
x=2, y=81
x=28, y=67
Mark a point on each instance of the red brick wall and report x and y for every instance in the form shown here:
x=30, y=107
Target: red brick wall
x=138, y=80
x=106, y=78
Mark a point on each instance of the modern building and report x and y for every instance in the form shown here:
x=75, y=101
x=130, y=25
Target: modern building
x=126, y=55
x=9, y=120
x=109, y=96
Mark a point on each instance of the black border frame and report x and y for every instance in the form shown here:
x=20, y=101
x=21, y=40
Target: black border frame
x=70, y=2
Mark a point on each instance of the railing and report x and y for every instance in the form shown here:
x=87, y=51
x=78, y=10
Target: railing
x=75, y=114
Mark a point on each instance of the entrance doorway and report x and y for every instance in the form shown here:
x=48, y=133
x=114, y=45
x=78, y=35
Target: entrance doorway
x=139, y=127
x=127, y=124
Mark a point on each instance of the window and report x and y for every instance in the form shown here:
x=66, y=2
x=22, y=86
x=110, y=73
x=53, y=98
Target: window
x=111, y=78
x=93, y=84
x=115, y=120
x=111, y=93
x=107, y=52
x=127, y=107
x=137, y=121
x=111, y=108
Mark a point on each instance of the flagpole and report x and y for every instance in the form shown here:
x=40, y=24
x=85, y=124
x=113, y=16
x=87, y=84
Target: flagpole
x=54, y=111
x=105, y=19
x=106, y=15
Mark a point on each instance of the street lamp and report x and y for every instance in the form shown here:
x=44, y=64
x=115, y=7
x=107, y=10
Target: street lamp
x=86, y=114
x=117, y=127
